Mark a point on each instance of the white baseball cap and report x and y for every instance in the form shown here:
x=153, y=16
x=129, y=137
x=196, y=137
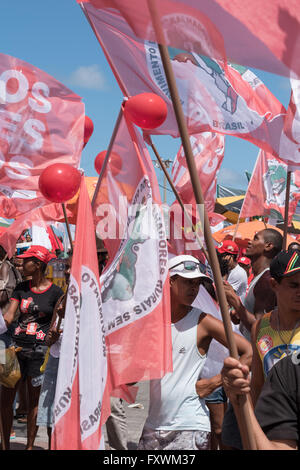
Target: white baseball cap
x=186, y=266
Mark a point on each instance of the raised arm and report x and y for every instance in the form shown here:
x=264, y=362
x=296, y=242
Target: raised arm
x=236, y=381
x=210, y=328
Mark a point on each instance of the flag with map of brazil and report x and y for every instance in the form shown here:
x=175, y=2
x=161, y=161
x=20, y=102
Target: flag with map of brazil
x=216, y=96
x=130, y=222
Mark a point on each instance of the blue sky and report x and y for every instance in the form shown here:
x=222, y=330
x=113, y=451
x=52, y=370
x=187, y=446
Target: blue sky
x=55, y=36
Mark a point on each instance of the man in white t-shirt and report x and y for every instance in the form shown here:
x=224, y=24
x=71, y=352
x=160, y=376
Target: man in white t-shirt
x=237, y=277
x=178, y=418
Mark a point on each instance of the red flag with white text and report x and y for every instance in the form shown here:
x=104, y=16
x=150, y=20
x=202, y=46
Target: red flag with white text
x=41, y=123
x=208, y=151
x=263, y=35
x=215, y=96
x=81, y=404
x=135, y=288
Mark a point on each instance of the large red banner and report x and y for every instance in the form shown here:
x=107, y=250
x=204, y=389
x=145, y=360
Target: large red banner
x=263, y=35
x=41, y=123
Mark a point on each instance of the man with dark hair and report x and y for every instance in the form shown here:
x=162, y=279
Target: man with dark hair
x=178, y=418
x=294, y=246
x=277, y=333
x=260, y=297
x=277, y=355
x=237, y=276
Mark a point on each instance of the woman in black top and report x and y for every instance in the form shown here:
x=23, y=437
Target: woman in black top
x=36, y=300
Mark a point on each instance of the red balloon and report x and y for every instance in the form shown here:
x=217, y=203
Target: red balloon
x=146, y=110
x=114, y=162
x=59, y=182
x=88, y=130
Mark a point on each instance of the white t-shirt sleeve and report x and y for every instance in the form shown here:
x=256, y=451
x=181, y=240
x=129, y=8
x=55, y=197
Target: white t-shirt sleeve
x=3, y=327
x=238, y=280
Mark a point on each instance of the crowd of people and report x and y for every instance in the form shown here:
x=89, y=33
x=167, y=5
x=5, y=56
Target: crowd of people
x=187, y=410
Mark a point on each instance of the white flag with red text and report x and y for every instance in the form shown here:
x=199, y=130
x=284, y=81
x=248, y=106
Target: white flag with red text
x=81, y=403
x=134, y=283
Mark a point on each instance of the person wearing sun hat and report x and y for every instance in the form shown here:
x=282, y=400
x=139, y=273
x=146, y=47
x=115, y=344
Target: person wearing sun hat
x=260, y=298
x=275, y=371
x=36, y=299
x=245, y=263
x=237, y=276
x=277, y=333
x=178, y=418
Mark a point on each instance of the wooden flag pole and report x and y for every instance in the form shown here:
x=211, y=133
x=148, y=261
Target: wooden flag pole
x=107, y=56
x=108, y=152
x=286, y=208
x=236, y=228
x=68, y=227
x=244, y=403
x=161, y=163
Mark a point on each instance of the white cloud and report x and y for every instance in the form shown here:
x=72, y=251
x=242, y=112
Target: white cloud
x=88, y=76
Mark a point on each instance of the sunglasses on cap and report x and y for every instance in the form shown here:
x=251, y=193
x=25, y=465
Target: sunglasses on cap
x=188, y=265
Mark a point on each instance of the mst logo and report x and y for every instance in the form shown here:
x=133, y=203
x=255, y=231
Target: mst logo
x=121, y=283
x=205, y=89
x=275, y=183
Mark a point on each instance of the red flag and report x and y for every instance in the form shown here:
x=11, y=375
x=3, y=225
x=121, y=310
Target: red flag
x=41, y=122
x=185, y=234
x=56, y=243
x=215, y=95
x=130, y=222
x=81, y=403
x=208, y=151
x=263, y=35
x=42, y=216
x=267, y=189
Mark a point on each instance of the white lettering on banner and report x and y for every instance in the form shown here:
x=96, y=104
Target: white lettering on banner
x=23, y=136
x=210, y=165
x=20, y=93
x=7, y=126
x=92, y=331
x=19, y=167
x=63, y=400
x=93, y=419
x=46, y=105
x=124, y=296
x=94, y=290
x=38, y=138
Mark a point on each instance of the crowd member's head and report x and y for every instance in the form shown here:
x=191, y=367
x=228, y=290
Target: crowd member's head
x=2, y=253
x=68, y=263
x=102, y=254
x=285, y=272
x=266, y=243
x=35, y=260
x=224, y=264
x=185, y=279
x=294, y=246
x=245, y=263
x=18, y=264
x=229, y=251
